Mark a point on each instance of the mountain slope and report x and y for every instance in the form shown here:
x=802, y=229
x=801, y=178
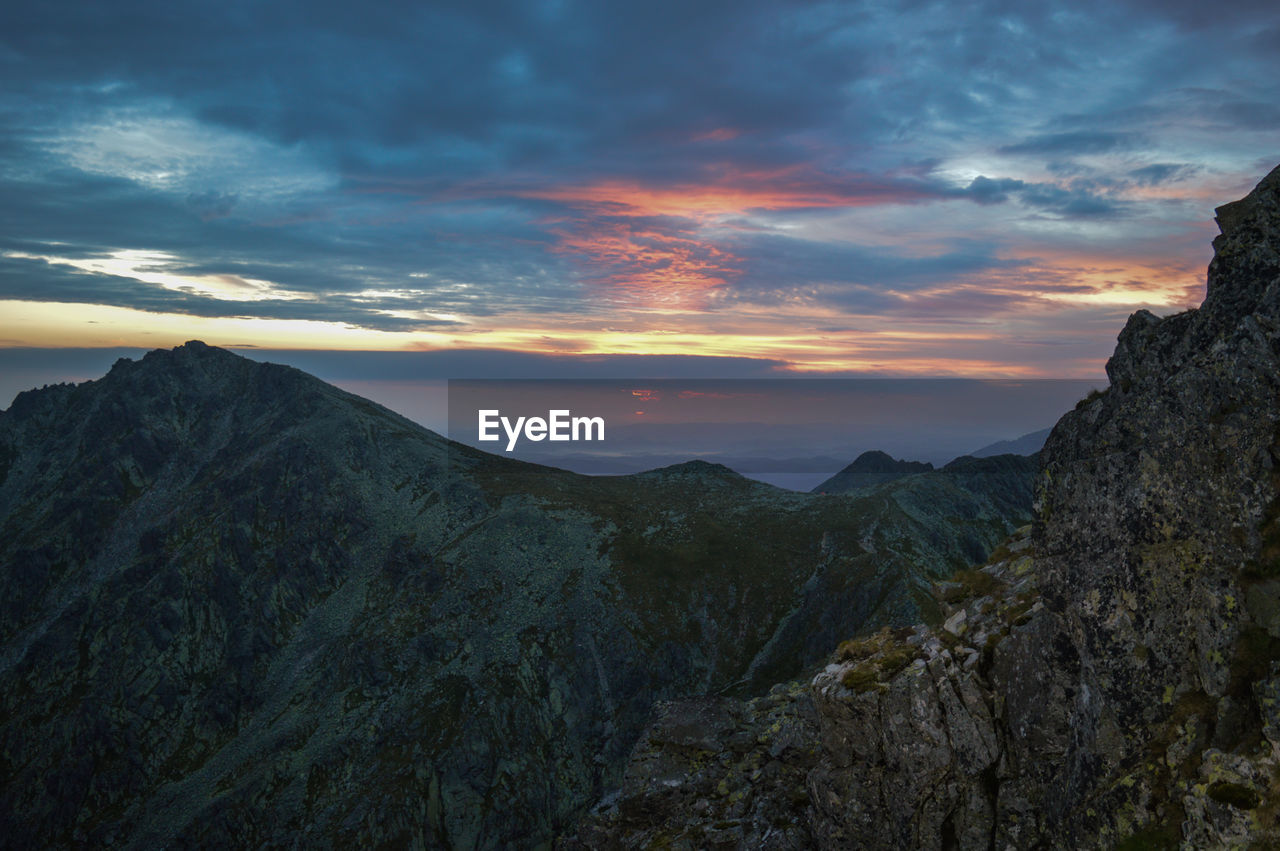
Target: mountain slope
x=238, y=605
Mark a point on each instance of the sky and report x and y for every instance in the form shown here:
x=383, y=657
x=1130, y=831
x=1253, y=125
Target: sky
x=978, y=189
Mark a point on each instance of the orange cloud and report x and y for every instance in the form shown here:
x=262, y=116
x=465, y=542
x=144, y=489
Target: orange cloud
x=649, y=241
x=657, y=268
x=732, y=192
x=615, y=233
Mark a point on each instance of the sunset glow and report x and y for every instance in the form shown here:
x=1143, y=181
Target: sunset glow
x=828, y=190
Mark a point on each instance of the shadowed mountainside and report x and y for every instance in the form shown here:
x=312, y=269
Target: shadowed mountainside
x=238, y=605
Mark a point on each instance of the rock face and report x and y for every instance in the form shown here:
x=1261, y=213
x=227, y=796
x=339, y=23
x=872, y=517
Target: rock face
x=1156, y=529
x=1114, y=678
x=870, y=469
x=713, y=773
x=241, y=607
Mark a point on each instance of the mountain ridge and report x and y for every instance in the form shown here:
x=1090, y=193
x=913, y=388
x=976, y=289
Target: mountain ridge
x=1027, y=444
x=228, y=589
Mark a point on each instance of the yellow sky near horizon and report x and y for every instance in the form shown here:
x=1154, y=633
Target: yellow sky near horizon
x=1054, y=315
x=920, y=348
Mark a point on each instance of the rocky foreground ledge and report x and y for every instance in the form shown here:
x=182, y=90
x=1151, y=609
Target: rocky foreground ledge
x=1110, y=679
x=810, y=762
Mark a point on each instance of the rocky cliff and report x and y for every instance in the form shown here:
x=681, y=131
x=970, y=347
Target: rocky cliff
x=241, y=607
x=1111, y=679
x=1151, y=708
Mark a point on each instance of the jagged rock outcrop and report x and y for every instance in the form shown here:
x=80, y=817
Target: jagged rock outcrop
x=896, y=717
x=240, y=607
x=1135, y=696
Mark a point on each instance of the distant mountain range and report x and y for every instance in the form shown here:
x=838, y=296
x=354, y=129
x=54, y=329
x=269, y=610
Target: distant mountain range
x=870, y=469
x=1028, y=444
x=867, y=470
x=240, y=606
x=874, y=467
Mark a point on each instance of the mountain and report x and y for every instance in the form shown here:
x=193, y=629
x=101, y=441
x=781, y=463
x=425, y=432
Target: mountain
x=1111, y=678
x=870, y=469
x=239, y=606
x=1028, y=444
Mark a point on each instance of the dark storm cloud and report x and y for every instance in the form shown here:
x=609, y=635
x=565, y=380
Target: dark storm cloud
x=1193, y=106
x=1069, y=202
x=474, y=85
x=211, y=204
x=1197, y=16
x=1238, y=112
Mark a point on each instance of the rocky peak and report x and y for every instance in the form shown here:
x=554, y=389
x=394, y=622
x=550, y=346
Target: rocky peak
x=1242, y=304
x=875, y=461
x=193, y=359
x=1246, y=259
x=1246, y=265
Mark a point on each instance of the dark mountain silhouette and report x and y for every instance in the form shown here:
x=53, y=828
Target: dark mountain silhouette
x=239, y=606
x=870, y=469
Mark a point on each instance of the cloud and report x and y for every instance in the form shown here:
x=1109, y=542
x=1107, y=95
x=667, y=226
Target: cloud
x=785, y=264
x=1074, y=143
x=404, y=166
x=1072, y=201
x=1069, y=202
x=1159, y=173
x=986, y=190
x=36, y=279
x=212, y=205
